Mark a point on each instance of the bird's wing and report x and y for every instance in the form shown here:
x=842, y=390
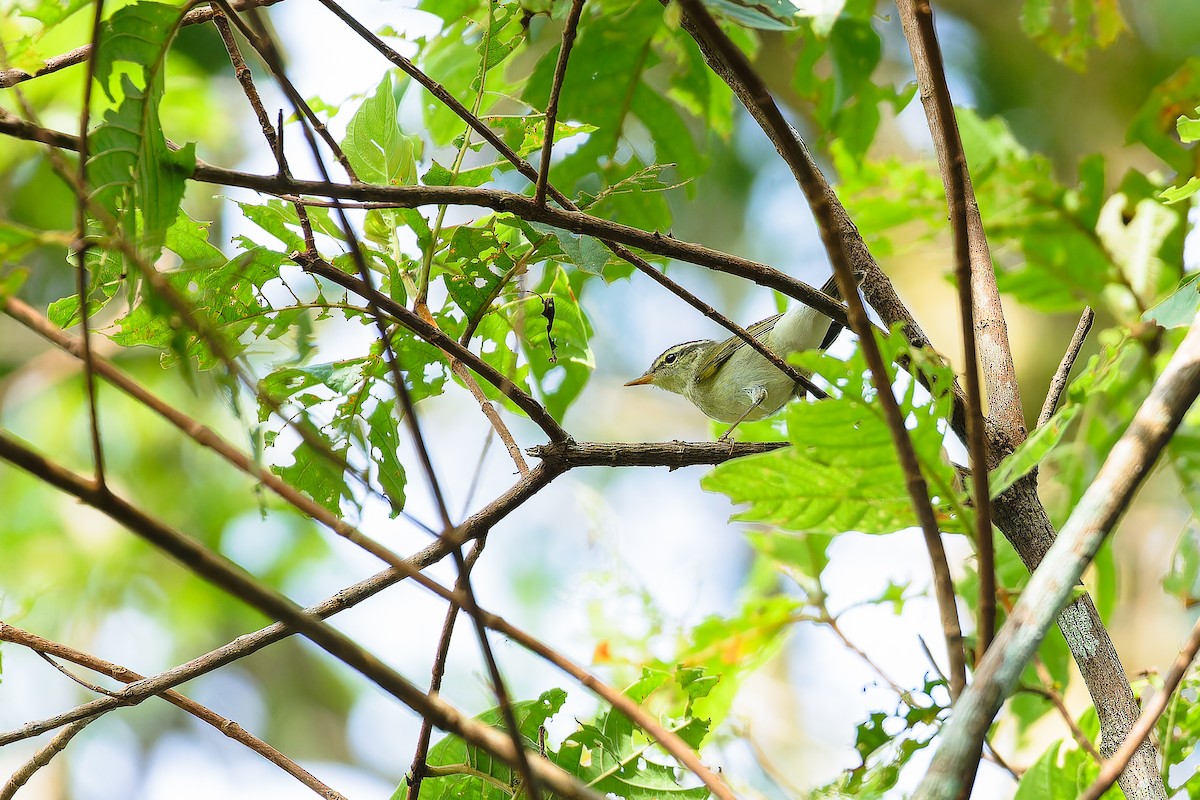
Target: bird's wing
x=722, y=352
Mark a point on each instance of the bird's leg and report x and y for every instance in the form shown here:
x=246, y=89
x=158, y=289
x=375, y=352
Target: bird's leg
x=758, y=393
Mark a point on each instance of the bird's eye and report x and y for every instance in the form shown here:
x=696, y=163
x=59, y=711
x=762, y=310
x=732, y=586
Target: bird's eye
x=670, y=358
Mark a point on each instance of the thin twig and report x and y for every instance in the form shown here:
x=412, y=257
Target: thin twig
x=274, y=141
x=434, y=335
x=1059, y=382
x=199, y=433
x=418, y=770
x=1112, y=767
x=560, y=74
x=91, y=687
x=45, y=648
x=704, y=26
x=820, y=301
x=83, y=244
x=1051, y=586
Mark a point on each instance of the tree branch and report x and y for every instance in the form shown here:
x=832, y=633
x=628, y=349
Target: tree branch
x=1004, y=397
x=476, y=525
x=11, y=77
x=1127, y=465
x=1112, y=767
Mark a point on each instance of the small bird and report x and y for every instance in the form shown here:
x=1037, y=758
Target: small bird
x=730, y=381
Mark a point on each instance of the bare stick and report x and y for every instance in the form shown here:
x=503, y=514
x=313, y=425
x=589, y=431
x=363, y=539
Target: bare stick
x=82, y=245
x=1052, y=584
x=1112, y=767
x=40, y=759
x=245, y=587
x=46, y=648
x=560, y=74
x=1059, y=382
x=419, y=768
x=704, y=26
x=939, y=111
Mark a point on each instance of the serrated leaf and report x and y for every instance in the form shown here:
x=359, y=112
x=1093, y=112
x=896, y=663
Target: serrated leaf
x=531, y=715
x=313, y=473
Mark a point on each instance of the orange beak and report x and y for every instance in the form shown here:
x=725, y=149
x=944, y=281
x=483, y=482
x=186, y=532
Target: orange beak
x=642, y=381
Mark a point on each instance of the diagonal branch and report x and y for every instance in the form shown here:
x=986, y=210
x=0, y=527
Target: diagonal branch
x=917, y=20
x=1050, y=588
x=476, y=525
x=1112, y=767
x=701, y=25
x=820, y=301
x=1059, y=382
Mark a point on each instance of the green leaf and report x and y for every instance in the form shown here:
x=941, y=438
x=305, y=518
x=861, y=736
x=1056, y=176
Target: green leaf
x=378, y=150
x=769, y=15
x=585, y=252
x=1188, y=128
x=1032, y=451
x=1178, y=309
x=385, y=439
x=1174, y=194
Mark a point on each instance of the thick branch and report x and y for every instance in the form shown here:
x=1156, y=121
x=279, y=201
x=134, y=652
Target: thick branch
x=1127, y=465
x=1114, y=765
